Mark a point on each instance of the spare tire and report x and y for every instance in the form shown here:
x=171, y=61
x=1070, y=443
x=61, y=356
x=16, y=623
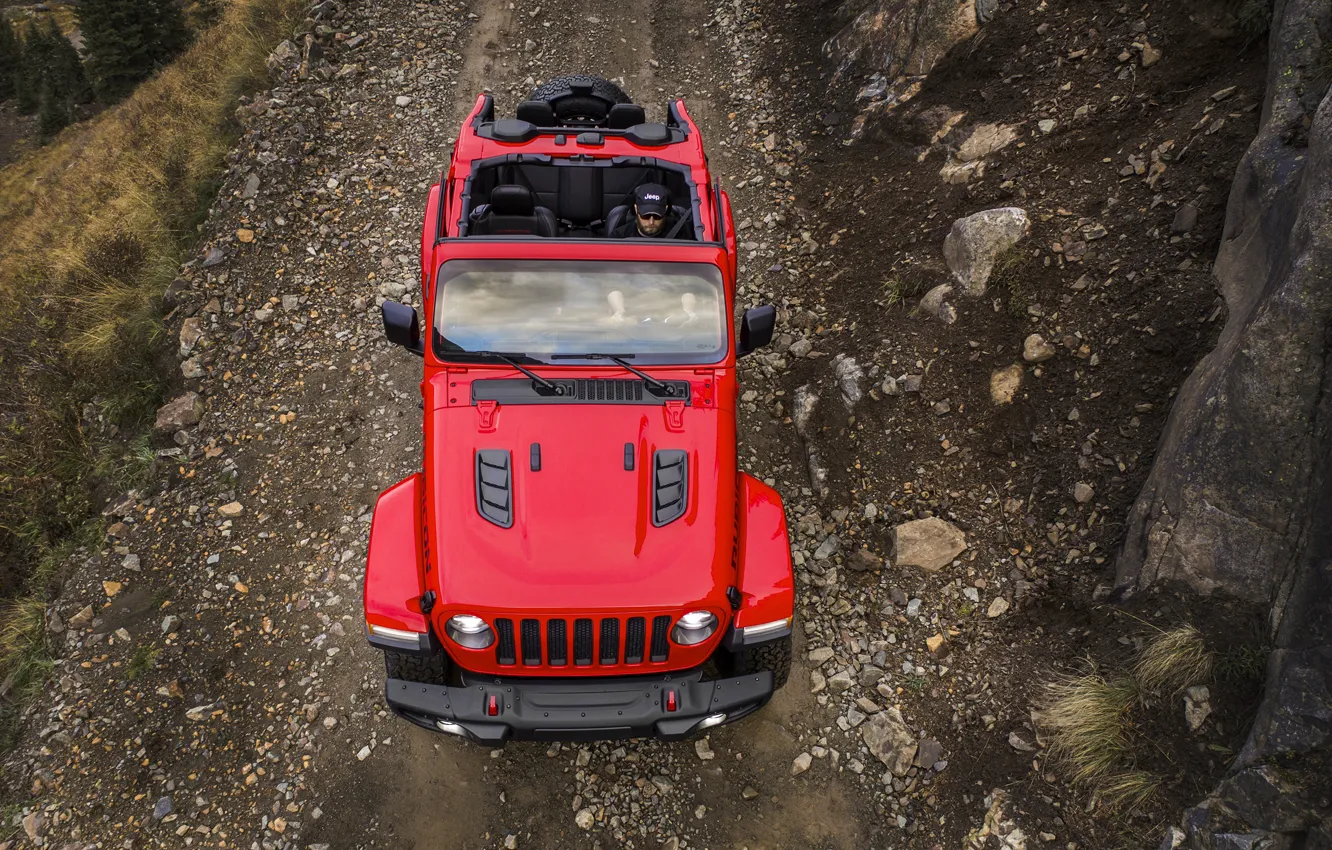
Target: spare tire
x=580, y=100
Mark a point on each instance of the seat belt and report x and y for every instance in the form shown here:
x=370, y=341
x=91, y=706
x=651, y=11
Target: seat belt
x=679, y=224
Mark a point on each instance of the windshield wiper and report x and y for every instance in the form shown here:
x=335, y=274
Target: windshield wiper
x=621, y=360
x=508, y=358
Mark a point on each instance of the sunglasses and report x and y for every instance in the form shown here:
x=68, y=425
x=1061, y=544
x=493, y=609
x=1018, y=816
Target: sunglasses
x=649, y=216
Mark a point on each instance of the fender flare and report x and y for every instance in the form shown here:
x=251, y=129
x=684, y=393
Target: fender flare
x=764, y=575
x=394, y=572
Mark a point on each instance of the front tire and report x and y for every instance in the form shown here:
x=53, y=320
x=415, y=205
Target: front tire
x=426, y=669
x=774, y=657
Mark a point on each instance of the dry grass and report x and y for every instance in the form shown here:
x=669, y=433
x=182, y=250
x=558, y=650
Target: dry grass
x=1173, y=661
x=1093, y=733
x=95, y=224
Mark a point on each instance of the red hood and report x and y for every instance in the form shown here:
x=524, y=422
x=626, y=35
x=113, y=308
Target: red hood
x=582, y=538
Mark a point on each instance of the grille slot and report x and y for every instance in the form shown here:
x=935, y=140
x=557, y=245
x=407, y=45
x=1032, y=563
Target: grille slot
x=504, y=649
x=531, y=634
x=582, y=642
x=661, y=646
x=608, y=389
x=610, y=641
x=557, y=643
x=635, y=635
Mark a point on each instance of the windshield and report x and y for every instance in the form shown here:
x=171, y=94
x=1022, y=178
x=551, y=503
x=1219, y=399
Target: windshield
x=653, y=312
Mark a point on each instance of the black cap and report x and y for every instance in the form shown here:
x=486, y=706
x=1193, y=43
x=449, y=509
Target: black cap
x=651, y=199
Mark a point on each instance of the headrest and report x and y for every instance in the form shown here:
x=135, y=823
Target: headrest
x=625, y=115
x=536, y=112
x=512, y=200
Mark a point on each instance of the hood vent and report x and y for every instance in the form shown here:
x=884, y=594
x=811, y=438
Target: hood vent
x=494, y=486
x=670, y=485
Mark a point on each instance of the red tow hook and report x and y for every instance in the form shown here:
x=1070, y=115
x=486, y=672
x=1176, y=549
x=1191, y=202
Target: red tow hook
x=671, y=703
x=492, y=705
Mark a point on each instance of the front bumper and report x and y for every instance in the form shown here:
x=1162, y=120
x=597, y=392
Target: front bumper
x=492, y=711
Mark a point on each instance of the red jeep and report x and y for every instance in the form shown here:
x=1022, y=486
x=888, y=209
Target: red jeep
x=581, y=557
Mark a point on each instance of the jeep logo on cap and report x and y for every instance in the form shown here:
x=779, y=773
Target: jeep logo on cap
x=650, y=197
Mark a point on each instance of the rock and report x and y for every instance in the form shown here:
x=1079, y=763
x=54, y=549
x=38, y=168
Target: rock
x=511, y=842
x=191, y=368
x=244, y=234
x=934, y=643
x=985, y=140
x=1186, y=218
x=933, y=303
x=585, y=818
x=841, y=682
x=230, y=510
x=402, y=100
x=1036, y=350
x=974, y=242
x=801, y=348
x=33, y=824
x=1004, y=384
x=848, y=374
x=215, y=257
x=802, y=407
x=886, y=736
x=956, y=173
x=928, y=753
x=81, y=619
x=928, y=544
x=1019, y=743
x=1197, y=706
x=170, y=623
x=912, y=383
x=703, y=750
x=162, y=809
x=285, y=55
x=181, y=412
x=1047, y=126
x=1150, y=55
x=1083, y=493
x=869, y=676
x=111, y=588
x=997, y=608
x=864, y=561
x=201, y=712
x=897, y=37
x=820, y=655
x=827, y=548
x=251, y=186
x=801, y=764
x=191, y=331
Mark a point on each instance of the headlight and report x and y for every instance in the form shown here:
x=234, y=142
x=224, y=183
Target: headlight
x=694, y=628
x=469, y=631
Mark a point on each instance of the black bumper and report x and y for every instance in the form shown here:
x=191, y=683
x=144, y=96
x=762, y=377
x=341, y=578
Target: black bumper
x=560, y=709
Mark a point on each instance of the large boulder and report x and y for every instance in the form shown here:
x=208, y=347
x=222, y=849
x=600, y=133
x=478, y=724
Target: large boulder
x=929, y=544
x=973, y=243
x=890, y=741
x=181, y=412
x=903, y=37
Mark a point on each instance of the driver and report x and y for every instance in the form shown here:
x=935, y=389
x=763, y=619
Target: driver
x=652, y=216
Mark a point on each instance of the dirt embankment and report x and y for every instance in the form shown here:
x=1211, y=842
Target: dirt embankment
x=214, y=688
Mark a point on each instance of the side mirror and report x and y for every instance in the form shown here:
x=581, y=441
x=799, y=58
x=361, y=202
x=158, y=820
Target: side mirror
x=756, y=329
x=403, y=327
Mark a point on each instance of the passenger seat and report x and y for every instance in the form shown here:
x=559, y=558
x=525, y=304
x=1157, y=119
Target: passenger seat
x=513, y=211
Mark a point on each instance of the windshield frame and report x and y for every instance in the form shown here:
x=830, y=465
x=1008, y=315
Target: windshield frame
x=711, y=274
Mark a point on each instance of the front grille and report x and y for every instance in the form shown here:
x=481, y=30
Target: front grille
x=504, y=651
x=607, y=641
x=634, y=635
x=661, y=645
x=582, y=642
x=531, y=643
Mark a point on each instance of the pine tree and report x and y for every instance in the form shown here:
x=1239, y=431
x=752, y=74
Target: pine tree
x=11, y=54
x=66, y=68
x=54, y=113
x=32, y=69
x=127, y=40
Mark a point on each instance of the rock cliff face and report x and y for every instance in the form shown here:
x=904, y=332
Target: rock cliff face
x=903, y=37
x=1229, y=503
x=1239, y=500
